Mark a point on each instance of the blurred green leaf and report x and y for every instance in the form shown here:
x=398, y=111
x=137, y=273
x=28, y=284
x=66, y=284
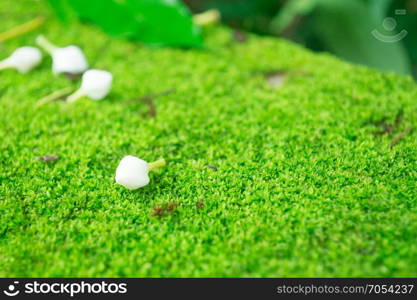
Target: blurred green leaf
x=409, y=23
x=154, y=22
x=345, y=27
x=62, y=9
x=290, y=11
x=379, y=8
x=249, y=15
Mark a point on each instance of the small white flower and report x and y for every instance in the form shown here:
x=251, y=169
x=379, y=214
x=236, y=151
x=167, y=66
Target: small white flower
x=22, y=59
x=96, y=84
x=132, y=172
x=68, y=59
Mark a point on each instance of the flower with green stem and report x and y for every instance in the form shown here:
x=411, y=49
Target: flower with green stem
x=95, y=84
x=23, y=59
x=68, y=59
x=132, y=172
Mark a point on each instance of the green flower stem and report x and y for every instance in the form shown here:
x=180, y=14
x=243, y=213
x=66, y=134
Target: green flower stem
x=75, y=96
x=4, y=65
x=156, y=164
x=54, y=96
x=22, y=29
x=45, y=44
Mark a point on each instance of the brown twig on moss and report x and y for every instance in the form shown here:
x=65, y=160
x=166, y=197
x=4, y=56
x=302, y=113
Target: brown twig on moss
x=200, y=204
x=47, y=158
x=388, y=128
x=149, y=101
x=164, y=210
x=402, y=135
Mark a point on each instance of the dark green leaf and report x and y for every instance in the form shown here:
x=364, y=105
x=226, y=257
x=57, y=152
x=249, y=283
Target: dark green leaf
x=345, y=27
x=379, y=8
x=62, y=9
x=290, y=11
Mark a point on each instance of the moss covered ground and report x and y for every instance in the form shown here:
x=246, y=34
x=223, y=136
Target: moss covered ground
x=316, y=177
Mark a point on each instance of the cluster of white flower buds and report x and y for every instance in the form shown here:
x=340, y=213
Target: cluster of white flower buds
x=132, y=172
x=96, y=84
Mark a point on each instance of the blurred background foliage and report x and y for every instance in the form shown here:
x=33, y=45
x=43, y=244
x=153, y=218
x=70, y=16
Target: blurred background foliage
x=342, y=27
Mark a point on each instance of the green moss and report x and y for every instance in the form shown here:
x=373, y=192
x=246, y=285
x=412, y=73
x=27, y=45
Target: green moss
x=303, y=186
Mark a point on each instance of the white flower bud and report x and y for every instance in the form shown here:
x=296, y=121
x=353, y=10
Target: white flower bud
x=132, y=172
x=22, y=59
x=96, y=84
x=68, y=59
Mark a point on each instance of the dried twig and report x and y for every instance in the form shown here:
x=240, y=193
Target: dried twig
x=402, y=135
x=149, y=101
x=152, y=107
x=388, y=128
x=47, y=158
x=22, y=29
x=161, y=211
x=164, y=93
x=398, y=118
x=158, y=211
x=200, y=204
